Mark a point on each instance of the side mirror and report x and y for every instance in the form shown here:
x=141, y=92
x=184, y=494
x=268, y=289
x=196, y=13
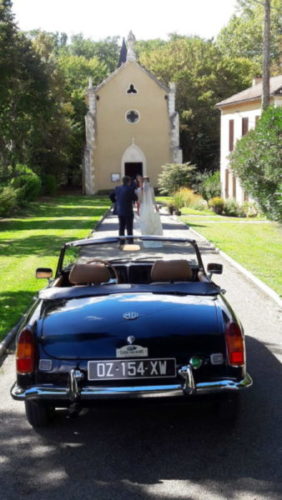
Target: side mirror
x=43, y=272
x=214, y=268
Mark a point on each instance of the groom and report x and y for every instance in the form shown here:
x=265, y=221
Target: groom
x=124, y=196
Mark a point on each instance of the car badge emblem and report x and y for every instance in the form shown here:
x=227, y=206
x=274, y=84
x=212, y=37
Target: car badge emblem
x=130, y=315
x=130, y=339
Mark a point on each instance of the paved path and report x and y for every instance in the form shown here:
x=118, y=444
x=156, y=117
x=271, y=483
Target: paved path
x=253, y=306
x=152, y=451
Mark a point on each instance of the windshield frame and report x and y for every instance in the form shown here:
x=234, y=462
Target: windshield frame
x=121, y=240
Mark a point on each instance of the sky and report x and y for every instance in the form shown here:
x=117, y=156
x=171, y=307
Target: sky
x=148, y=19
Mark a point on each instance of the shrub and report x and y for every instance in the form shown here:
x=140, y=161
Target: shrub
x=49, y=185
x=8, y=200
x=178, y=201
x=216, y=204
x=175, y=176
x=27, y=184
x=231, y=207
x=257, y=160
x=199, y=204
x=210, y=186
x=250, y=209
x=182, y=197
x=185, y=197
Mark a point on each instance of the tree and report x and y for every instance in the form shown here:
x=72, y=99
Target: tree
x=49, y=151
x=257, y=160
x=203, y=77
x=266, y=56
x=174, y=176
x=76, y=71
x=23, y=92
x=106, y=51
x=243, y=35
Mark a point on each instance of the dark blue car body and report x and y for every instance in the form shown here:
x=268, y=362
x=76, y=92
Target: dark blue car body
x=141, y=333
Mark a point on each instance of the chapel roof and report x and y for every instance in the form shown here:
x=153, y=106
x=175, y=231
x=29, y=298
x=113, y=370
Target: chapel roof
x=128, y=56
x=253, y=93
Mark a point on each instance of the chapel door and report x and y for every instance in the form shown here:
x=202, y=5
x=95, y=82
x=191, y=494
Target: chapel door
x=132, y=169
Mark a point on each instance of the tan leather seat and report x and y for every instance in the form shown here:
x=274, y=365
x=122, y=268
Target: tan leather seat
x=171, y=270
x=83, y=274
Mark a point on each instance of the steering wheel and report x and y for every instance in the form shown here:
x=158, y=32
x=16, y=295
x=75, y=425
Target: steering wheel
x=111, y=269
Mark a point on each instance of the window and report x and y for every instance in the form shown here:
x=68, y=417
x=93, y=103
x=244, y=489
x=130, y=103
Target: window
x=132, y=89
x=132, y=116
x=231, y=135
x=245, y=126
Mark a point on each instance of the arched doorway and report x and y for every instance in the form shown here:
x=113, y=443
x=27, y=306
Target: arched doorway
x=133, y=162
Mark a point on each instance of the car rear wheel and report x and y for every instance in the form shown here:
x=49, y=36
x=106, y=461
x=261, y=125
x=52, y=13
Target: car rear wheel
x=38, y=413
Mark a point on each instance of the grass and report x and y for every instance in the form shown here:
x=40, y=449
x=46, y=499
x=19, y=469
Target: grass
x=34, y=240
x=253, y=242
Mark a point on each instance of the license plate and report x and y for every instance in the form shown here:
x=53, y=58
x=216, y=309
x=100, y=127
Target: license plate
x=127, y=369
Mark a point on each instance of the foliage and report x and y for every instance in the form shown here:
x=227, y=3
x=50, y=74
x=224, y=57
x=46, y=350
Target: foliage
x=257, y=160
x=199, y=204
x=250, y=209
x=33, y=128
x=185, y=197
x=75, y=71
x=203, y=77
x=243, y=35
x=210, y=186
x=43, y=82
x=178, y=200
x=49, y=185
x=175, y=175
x=24, y=99
x=105, y=51
x=216, y=204
x=34, y=240
x=8, y=200
x=246, y=243
x=232, y=208
x=27, y=184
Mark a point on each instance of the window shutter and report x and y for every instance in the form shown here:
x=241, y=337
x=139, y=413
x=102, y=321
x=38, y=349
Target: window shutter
x=231, y=135
x=245, y=126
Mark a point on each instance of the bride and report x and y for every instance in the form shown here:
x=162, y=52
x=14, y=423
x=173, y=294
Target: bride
x=150, y=221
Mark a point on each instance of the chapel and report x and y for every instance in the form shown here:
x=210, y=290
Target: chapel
x=132, y=126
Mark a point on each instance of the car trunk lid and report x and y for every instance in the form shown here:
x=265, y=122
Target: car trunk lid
x=164, y=325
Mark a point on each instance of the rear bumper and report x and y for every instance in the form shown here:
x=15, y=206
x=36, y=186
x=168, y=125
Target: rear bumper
x=75, y=393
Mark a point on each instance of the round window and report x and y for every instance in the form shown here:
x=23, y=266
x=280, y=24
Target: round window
x=132, y=116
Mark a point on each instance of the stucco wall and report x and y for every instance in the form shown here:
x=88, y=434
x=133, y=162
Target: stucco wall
x=114, y=134
x=236, y=112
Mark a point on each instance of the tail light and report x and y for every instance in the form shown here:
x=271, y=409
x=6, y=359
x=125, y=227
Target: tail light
x=235, y=344
x=25, y=356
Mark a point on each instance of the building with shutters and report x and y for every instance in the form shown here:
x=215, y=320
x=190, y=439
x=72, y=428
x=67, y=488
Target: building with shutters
x=239, y=114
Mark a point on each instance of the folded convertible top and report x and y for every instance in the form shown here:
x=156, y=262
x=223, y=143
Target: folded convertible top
x=189, y=288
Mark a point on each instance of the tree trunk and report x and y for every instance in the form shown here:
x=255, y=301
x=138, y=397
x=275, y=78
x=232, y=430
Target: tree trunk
x=266, y=56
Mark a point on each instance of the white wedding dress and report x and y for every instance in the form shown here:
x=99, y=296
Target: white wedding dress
x=149, y=217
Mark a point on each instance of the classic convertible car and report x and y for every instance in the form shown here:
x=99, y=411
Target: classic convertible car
x=131, y=318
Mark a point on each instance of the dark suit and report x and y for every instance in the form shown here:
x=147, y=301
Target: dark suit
x=124, y=197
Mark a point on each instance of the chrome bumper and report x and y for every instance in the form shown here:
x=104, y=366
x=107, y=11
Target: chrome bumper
x=74, y=393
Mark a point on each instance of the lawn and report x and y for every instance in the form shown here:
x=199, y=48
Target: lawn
x=34, y=240
x=255, y=243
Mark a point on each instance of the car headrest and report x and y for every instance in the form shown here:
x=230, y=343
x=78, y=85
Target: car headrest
x=171, y=270
x=82, y=274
